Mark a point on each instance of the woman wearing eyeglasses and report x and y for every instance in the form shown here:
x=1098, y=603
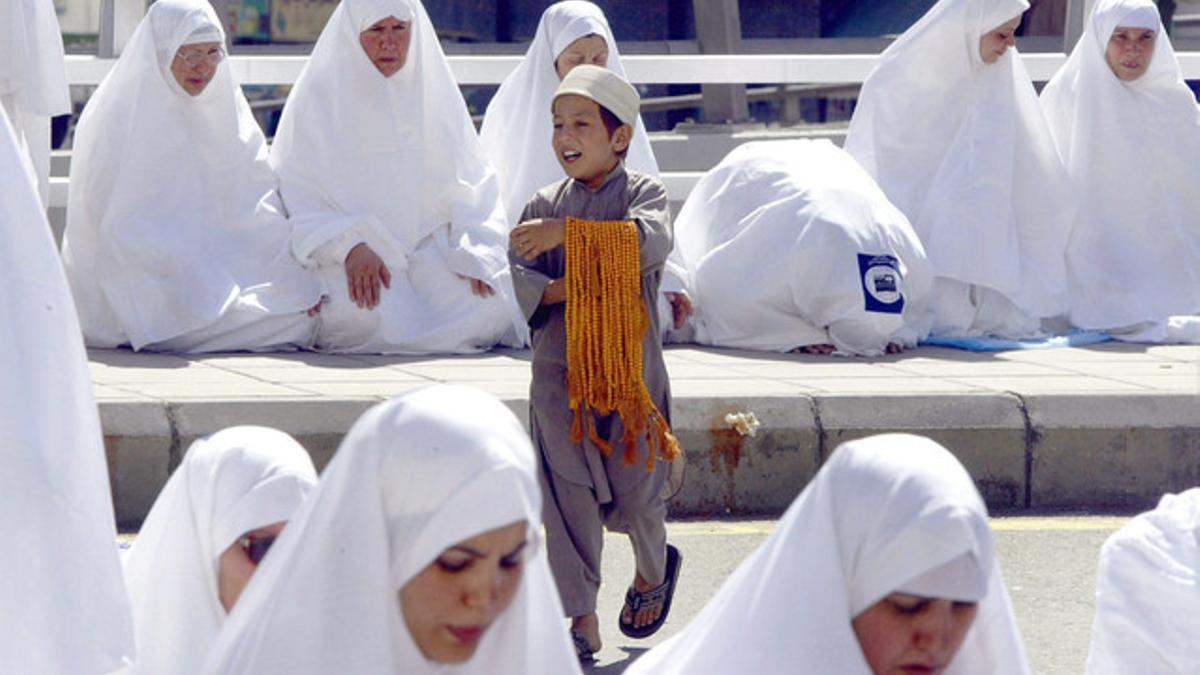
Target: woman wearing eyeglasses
x=202, y=541
x=176, y=239
x=421, y=552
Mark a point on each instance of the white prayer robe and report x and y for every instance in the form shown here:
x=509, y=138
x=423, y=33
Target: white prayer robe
x=891, y=513
x=1148, y=593
x=790, y=243
x=517, y=128
x=1131, y=149
x=414, y=476
x=64, y=606
x=232, y=482
x=395, y=163
x=175, y=237
x=33, y=79
x=962, y=148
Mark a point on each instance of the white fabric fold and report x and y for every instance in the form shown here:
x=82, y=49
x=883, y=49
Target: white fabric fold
x=234, y=481
x=881, y=513
x=65, y=609
x=790, y=243
x=173, y=221
x=33, y=79
x=962, y=148
x=395, y=161
x=414, y=476
x=1148, y=593
x=1131, y=149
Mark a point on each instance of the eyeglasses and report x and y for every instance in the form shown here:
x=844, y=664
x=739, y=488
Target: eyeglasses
x=194, y=57
x=256, y=547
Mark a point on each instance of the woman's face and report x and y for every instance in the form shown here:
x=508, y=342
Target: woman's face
x=194, y=65
x=906, y=634
x=238, y=562
x=995, y=42
x=590, y=49
x=1129, y=52
x=450, y=604
x=386, y=44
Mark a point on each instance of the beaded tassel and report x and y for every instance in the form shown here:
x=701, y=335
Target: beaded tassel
x=606, y=320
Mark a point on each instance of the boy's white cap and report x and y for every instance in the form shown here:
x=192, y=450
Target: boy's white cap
x=604, y=87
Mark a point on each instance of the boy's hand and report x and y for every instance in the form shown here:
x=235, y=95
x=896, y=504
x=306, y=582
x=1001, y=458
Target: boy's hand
x=555, y=292
x=681, y=307
x=535, y=237
x=365, y=272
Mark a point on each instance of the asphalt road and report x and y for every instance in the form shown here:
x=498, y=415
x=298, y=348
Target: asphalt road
x=1049, y=565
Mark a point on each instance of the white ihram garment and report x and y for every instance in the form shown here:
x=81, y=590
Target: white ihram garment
x=414, y=476
x=1131, y=149
x=892, y=513
x=790, y=243
x=237, y=480
x=1148, y=593
x=64, y=605
x=394, y=162
x=175, y=239
x=962, y=148
x=33, y=79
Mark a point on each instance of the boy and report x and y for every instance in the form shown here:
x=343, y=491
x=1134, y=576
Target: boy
x=594, y=114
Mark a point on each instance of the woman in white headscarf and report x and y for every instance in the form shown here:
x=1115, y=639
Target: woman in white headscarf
x=175, y=238
x=517, y=127
x=1148, y=593
x=949, y=126
x=207, y=532
x=33, y=79
x=64, y=604
x=884, y=561
x=1129, y=131
x=420, y=552
x=789, y=245
x=390, y=193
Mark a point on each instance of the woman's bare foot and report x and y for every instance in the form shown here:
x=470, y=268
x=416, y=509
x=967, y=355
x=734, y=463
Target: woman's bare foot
x=894, y=348
x=823, y=350
x=589, y=627
x=646, y=615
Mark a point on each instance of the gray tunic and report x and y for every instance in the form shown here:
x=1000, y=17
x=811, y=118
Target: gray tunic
x=625, y=195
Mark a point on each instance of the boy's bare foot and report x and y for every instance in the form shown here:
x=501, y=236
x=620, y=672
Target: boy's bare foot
x=589, y=627
x=646, y=615
x=823, y=350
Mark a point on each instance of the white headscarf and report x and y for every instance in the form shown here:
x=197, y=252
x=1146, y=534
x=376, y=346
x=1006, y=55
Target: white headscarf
x=1131, y=149
x=395, y=159
x=885, y=514
x=65, y=609
x=962, y=148
x=816, y=231
x=172, y=217
x=517, y=128
x=1148, y=593
x=237, y=480
x=414, y=476
x=32, y=69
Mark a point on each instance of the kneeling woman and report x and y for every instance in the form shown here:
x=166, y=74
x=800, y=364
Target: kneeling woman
x=209, y=529
x=420, y=552
x=883, y=565
x=175, y=237
x=789, y=245
x=390, y=193
x=1127, y=127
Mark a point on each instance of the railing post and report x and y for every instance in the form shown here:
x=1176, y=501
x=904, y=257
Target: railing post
x=719, y=31
x=107, y=47
x=1077, y=13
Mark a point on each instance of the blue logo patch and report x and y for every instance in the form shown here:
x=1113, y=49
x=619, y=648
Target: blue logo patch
x=881, y=283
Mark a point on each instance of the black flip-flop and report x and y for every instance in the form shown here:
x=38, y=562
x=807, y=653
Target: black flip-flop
x=659, y=595
x=582, y=649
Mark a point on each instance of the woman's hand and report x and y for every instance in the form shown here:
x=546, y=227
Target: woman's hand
x=365, y=272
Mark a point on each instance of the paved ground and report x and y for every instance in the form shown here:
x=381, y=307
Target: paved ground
x=1049, y=563
x=121, y=375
